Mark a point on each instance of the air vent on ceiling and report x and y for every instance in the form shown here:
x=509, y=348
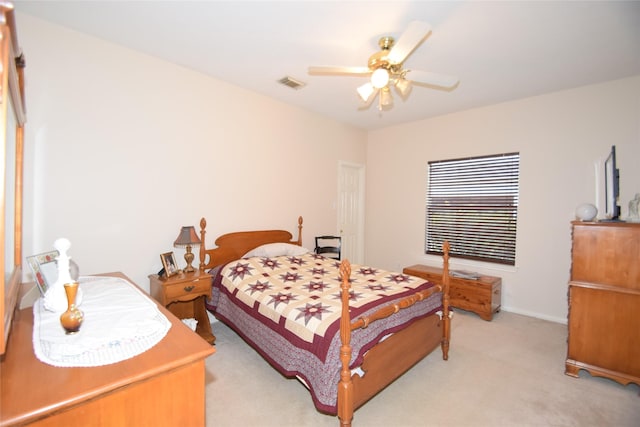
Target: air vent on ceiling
x=291, y=82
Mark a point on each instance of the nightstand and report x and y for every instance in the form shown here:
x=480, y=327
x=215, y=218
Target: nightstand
x=184, y=295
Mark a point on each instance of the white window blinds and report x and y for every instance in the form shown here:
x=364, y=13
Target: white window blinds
x=473, y=203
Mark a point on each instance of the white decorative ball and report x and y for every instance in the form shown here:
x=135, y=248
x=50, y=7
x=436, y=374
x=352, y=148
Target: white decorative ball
x=586, y=212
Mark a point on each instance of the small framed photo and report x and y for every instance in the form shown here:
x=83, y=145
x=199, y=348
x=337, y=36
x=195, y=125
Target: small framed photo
x=169, y=264
x=45, y=269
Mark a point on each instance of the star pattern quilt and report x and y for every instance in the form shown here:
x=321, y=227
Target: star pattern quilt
x=288, y=308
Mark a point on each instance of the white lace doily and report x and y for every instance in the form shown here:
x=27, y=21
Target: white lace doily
x=119, y=322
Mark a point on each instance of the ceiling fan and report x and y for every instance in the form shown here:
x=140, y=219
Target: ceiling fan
x=386, y=69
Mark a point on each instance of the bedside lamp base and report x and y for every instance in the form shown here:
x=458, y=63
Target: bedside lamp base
x=188, y=257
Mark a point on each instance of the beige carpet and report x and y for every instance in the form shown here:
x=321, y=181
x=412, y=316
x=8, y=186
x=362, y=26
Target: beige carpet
x=507, y=372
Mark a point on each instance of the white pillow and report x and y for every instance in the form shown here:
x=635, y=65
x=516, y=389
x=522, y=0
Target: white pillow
x=276, y=249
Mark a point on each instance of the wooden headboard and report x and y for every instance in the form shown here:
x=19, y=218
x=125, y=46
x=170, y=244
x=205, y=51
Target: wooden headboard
x=232, y=246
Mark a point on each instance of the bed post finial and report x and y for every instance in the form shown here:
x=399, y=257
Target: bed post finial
x=300, y=230
x=203, y=225
x=446, y=315
x=345, y=386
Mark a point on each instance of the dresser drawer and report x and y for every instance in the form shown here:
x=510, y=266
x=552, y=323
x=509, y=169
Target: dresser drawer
x=186, y=291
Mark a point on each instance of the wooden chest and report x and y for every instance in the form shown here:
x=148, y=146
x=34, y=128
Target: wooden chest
x=481, y=296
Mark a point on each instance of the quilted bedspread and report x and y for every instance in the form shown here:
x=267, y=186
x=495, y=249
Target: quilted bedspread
x=288, y=308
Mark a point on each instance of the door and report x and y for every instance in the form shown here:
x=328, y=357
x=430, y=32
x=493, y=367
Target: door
x=351, y=211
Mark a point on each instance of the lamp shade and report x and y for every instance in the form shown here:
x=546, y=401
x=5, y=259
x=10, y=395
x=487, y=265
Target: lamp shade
x=187, y=237
x=386, y=100
x=366, y=91
x=403, y=87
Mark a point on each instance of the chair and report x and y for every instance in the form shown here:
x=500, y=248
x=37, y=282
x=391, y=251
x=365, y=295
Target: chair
x=329, y=246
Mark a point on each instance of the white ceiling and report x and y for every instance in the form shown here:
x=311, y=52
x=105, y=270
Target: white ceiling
x=501, y=50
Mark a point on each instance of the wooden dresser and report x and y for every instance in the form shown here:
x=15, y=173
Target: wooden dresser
x=164, y=386
x=481, y=296
x=604, y=301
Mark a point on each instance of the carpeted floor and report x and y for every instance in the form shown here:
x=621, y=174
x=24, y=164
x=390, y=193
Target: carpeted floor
x=507, y=372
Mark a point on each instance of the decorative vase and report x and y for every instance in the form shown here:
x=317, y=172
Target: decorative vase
x=586, y=212
x=72, y=318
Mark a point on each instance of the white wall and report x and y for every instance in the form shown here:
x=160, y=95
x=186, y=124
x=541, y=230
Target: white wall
x=559, y=136
x=122, y=149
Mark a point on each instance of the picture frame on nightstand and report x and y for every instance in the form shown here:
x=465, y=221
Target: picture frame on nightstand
x=44, y=269
x=169, y=264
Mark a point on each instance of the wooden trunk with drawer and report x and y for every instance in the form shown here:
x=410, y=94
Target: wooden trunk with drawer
x=481, y=296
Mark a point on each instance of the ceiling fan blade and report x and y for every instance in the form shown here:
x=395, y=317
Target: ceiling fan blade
x=432, y=79
x=408, y=41
x=339, y=71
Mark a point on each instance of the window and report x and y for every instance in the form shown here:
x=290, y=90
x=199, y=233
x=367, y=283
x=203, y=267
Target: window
x=473, y=203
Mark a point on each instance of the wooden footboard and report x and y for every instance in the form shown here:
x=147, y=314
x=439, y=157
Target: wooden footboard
x=392, y=357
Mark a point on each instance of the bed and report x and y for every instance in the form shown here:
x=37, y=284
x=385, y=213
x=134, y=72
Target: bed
x=345, y=331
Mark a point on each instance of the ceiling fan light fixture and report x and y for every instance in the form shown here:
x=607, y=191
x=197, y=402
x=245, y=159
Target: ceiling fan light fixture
x=380, y=78
x=366, y=91
x=386, y=100
x=403, y=86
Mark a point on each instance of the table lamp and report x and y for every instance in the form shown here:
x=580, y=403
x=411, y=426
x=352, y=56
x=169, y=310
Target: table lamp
x=187, y=238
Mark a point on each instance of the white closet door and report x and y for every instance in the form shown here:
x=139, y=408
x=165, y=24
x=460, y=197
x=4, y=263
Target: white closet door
x=351, y=211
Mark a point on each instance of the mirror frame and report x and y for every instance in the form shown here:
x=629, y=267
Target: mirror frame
x=11, y=94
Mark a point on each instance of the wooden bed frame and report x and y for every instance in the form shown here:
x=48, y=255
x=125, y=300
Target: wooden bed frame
x=386, y=361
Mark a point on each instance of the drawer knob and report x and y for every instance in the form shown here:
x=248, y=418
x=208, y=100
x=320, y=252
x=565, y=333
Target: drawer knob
x=189, y=288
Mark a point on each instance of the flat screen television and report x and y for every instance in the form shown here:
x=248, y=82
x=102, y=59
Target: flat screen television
x=612, y=186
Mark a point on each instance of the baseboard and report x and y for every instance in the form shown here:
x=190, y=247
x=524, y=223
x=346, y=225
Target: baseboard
x=554, y=319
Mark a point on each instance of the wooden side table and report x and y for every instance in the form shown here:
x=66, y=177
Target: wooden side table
x=184, y=295
x=481, y=296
